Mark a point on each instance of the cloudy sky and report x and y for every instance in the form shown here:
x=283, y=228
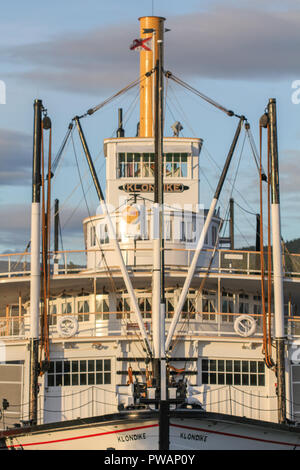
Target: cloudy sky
x=74, y=54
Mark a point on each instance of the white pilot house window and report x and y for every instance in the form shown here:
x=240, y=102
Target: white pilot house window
x=141, y=165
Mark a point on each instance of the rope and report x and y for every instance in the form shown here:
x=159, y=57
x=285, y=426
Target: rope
x=62, y=148
x=126, y=118
x=245, y=210
x=269, y=253
x=268, y=360
x=87, y=206
x=198, y=93
x=119, y=93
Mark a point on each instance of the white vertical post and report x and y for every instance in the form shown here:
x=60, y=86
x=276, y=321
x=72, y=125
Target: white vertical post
x=35, y=280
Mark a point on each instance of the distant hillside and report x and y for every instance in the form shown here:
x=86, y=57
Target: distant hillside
x=293, y=246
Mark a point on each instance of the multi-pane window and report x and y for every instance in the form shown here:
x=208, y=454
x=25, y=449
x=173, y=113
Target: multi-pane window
x=243, y=303
x=79, y=372
x=189, y=306
x=102, y=232
x=188, y=228
x=141, y=165
x=227, y=307
x=66, y=307
x=208, y=306
x=123, y=308
x=52, y=316
x=145, y=307
x=102, y=307
x=175, y=165
x=170, y=307
x=233, y=372
x=257, y=308
x=83, y=308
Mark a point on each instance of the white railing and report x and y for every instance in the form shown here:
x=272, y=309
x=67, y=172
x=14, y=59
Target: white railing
x=236, y=262
x=194, y=324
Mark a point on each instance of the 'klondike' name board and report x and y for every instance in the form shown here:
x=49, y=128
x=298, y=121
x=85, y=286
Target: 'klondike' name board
x=149, y=187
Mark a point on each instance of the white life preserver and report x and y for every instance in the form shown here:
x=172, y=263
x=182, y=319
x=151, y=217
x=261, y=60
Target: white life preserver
x=67, y=326
x=245, y=325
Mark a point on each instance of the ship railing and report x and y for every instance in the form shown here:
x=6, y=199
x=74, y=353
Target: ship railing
x=14, y=326
x=139, y=258
x=15, y=264
x=116, y=323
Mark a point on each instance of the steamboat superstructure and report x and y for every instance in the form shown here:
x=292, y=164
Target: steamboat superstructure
x=97, y=363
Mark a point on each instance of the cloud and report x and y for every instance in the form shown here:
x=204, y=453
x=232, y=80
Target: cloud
x=229, y=43
x=15, y=158
x=289, y=170
x=15, y=232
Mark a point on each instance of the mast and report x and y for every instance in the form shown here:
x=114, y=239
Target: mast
x=151, y=125
x=277, y=263
x=35, y=277
x=159, y=279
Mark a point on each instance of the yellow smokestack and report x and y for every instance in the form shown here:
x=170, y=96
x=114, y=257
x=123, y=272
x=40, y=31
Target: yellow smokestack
x=147, y=63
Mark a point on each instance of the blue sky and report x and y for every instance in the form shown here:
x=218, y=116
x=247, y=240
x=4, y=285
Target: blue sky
x=74, y=54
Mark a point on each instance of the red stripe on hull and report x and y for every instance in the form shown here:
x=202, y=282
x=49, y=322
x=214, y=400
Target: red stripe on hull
x=84, y=437
x=238, y=436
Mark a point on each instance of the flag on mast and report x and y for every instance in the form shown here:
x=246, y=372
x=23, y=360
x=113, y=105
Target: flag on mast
x=139, y=44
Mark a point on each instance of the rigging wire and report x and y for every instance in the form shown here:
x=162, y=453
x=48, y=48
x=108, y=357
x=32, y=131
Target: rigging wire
x=138, y=81
x=181, y=110
x=177, y=80
x=88, y=209
x=266, y=345
x=86, y=174
x=61, y=149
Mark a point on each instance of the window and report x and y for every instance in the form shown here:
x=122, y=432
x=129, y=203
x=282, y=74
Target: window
x=83, y=308
x=175, y=165
x=141, y=165
x=102, y=306
x=66, y=307
x=189, y=306
x=213, y=235
x=79, y=372
x=233, y=372
x=52, y=314
x=227, y=307
x=257, y=308
x=188, y=227
x=123, y=306
x=145, y=307
x=103, y=233
x=243, y=303
x=208, y=306
x=168, y=227
x=170, y=307
x=93, y=235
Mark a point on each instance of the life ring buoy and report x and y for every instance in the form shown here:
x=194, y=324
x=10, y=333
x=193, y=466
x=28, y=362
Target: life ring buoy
x=245, y=325
x=67, y=326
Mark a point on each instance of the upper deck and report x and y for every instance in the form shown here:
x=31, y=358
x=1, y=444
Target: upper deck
x=226, y=284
